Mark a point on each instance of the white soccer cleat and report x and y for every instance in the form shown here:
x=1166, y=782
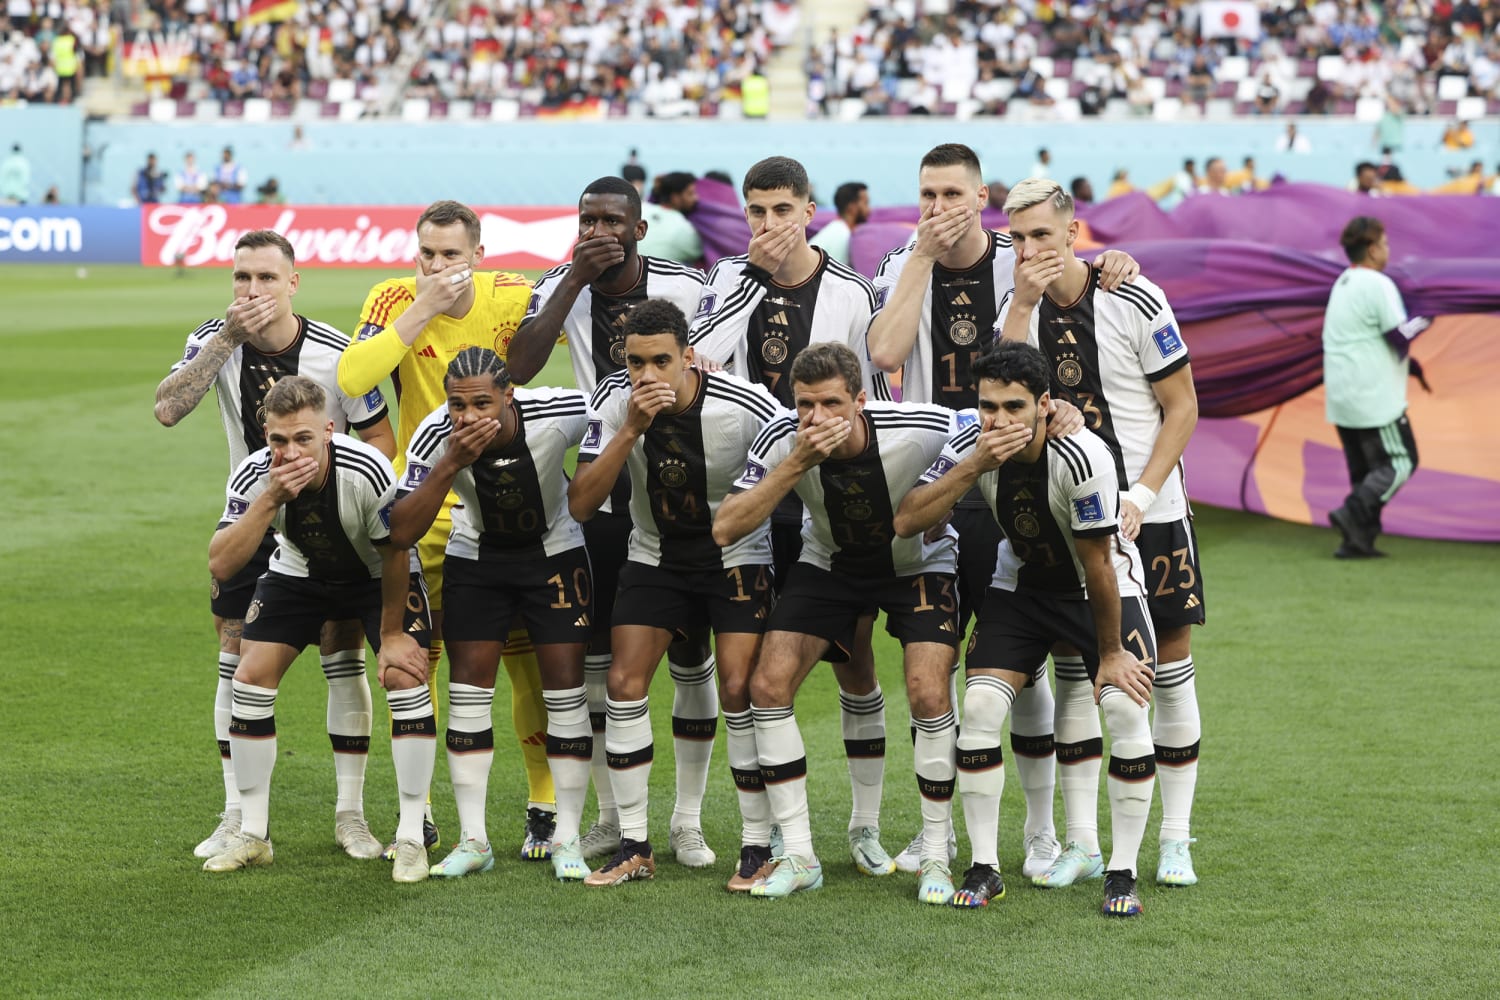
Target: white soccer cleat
x=692, y=851
x=602, y=840
x=243, y=851
x=352, y=833
x=910, y=860
x=218, y=841
x=1041, y=850
x=410, y=862
x=869, y=857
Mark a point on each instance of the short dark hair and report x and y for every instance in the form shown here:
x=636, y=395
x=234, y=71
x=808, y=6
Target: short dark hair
x=671, y=184
x=847, y=194
x=257, y=238
x=633, y=172
x=447, y=213
x=294, y=394
x=615, y=185
x=1364, y=165
x=774, y=173
x=656, y=316
x=1012, y=361
x=722, y=176
x=476, y=361
x=1362, y=232
x=828, y=360
x=952, y=154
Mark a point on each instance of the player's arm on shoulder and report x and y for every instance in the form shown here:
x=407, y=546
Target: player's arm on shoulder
x=897, y=321
x=248, y=515
x=183, y=389
x=547, y=309
x=1116, y=268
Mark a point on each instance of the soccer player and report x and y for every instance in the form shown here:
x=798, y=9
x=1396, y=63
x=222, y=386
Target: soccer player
x=589, y=300
x=412, y=329
x=1120, y=356
x=260, y=340
x=1366, y=340
x=515, y=552
x=850, y=462
x=938, y=298
x=1062, y=578
x=760, y=310
x=683, y=435
x=328, y=497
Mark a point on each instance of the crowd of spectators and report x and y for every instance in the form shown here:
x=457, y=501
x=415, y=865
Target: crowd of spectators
x=48, y=46
x=1302, y=57
x=542, y=54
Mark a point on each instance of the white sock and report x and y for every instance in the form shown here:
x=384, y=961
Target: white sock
x=783, y=769
x=932, y=758
x=1176, y=730
x=1080, y=748
x=595, y=683
x=223, y=709
x=570, y=747
x=1132, y=766
x=471, y=748
x=862, y=719
x=349, y=720
x=1032, y=753
x=695, y=721
x=252, y=740
x=981, y=766
x=627, y=737
x=413, y=752
x=744, y=764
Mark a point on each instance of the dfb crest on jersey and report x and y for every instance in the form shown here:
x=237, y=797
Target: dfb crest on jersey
x=963, y=332
x=1090, y=508
x=1168, y=340
x=1069, y=372
x=594, y=434
x=706, y=303
x=673, y=473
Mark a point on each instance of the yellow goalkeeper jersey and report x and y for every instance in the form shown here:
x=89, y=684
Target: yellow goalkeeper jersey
x=417, y=371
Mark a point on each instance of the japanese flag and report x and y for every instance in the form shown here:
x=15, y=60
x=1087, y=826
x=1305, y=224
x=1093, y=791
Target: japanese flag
x=1229, y=19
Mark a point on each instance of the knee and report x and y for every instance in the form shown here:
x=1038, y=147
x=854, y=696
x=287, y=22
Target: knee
x=769, y=691
x=624, y=685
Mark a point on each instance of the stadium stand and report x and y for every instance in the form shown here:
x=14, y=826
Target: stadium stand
x=1057, y=61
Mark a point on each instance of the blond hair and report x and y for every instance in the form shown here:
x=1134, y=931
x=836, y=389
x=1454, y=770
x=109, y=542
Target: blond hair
x=1036, y=191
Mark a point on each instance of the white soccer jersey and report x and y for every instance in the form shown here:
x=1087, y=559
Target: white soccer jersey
x=595, y=326
x=957, y=321
x=331, y=533
x=247, y=375
x=1105, y=350
x=1069, y=492
x=682, y=468
x=513, y=501
x=755, y=327
x=851, y=503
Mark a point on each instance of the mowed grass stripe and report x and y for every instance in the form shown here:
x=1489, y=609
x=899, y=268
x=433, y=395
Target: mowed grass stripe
x=1345, y=810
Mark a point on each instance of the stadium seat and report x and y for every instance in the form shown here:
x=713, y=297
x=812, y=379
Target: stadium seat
x=461, y=111
x=351, y=110
x=163, y=109
x=1063, y=69
x=1470, y=108
x=1452, y=88
x=340, y=90
x=414, y=109
x=257, y=109
x=1057, y=89
x=505, y=111
x=1167, y=109
x=850, y=109
x=1330, y=67
x=1043, y=65
x=1369, y=109
x=1219, y=109
x=307, y=109
x=281, y=109
x=317, y=90
x=1233, y=69
x=234, y=109
x=207, y=111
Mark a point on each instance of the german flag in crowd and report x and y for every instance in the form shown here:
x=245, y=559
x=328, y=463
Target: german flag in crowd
x=270, y=11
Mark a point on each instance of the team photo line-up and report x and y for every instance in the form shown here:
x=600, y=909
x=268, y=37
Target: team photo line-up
x=768, y=457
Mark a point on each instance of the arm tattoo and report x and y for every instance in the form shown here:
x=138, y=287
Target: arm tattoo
x=181, y=392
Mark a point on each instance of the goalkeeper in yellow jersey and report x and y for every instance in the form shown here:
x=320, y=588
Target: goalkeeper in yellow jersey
x=410, y=329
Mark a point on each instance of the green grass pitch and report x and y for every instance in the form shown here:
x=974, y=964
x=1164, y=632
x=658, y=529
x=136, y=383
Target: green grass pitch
x=1346, y=809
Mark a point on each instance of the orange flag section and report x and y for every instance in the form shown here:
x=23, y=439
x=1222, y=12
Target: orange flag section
x=269, y=11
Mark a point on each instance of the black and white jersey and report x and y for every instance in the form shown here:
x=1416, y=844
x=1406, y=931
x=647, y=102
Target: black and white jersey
x=513, y=500
x=1069, y=492
x=682, y=467
x=595, y=326
x=331, y=532
x=851, y=503
x=957, y=322
x=1105, y=350
x=755, y=327
x=248, y=374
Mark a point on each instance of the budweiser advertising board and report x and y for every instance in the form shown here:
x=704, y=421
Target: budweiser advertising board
x=385, y=237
